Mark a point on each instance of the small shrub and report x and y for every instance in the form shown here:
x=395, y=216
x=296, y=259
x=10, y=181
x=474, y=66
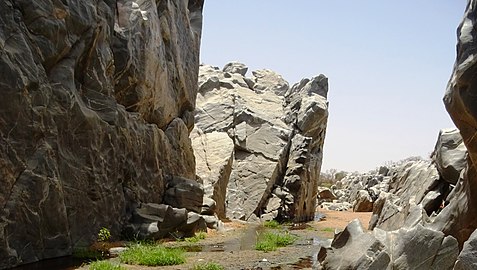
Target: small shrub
x=272, y=241
x=271, y=224
x=105, y=265
x=150, y=255
x=104, y=234
x=196, y=238
x=208, y=266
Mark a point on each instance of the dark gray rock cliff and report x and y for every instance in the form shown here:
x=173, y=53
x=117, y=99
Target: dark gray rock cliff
x=460, y=217
x=96, y=109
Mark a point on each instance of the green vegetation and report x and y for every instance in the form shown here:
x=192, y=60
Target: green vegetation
x=271, y=241
x=273, y=224
x=87, y=253
x=327, y=229
x=151, y=255
x=105, y=265
x=104, y=234
x=208, y=266
x=196, y=238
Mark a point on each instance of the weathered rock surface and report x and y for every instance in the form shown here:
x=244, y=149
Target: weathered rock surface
x=363, y=202
x=258, y=143
x=97, y=105
x=153, y=221
x=214, y=154
x=449, y=155
x=459, y=218
x=409, y=185
x=409, y=192
x=407, y=248
x=467, y=259
x=184, y=193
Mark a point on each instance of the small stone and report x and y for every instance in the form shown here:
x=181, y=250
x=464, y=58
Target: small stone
x=117, y=250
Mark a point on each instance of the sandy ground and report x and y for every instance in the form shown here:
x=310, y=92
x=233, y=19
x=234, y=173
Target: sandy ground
x=233, y=248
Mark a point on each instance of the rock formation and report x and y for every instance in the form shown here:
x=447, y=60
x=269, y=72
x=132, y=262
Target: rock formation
x=420, y=189
x=411, y=191
x=460, y=217
x=413, y=247
x=97, y=106
x=259, y=143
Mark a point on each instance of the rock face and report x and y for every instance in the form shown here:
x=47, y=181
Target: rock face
x=259, y=143
x=460, y=218
x=97, y=105
x=409, y=192
x=468, y=256
x=407, y=248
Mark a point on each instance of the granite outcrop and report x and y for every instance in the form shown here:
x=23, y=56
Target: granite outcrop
x=96, y=109
x=259, y=142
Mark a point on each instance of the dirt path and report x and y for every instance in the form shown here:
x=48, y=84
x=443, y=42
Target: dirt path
x=233, y=248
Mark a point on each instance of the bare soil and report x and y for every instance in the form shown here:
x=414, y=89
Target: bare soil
x=233, y=248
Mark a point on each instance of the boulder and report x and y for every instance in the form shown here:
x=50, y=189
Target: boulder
x=363, y=202
x=151, y=221
x=155, y=221
x=266, y=80
x=336, y=206
x=209, y=207
x=184, y=193
x=98, y=101
x=235, y=67
x=407, y=248
x=354, y=249
x=449, y=155
x=325, y=194
x=253, y=159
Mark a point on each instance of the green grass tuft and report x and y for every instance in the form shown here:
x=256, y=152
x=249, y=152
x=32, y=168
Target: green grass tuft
x=196, y=238
x=272, y=241
x=273, y=224
x=150, y=255
x=208, y=266
x=327, y=229
x=105, y=265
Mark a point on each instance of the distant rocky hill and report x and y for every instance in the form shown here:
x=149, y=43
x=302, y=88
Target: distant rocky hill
x=258, y=143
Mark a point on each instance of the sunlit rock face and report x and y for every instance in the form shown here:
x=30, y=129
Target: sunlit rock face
x=96, y=109
x=259, y=142
x=461, y=103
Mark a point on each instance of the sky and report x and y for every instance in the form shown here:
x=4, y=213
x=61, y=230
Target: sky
x=388, y=64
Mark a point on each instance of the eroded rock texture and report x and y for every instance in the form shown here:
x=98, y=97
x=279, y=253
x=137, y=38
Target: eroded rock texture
x=407, y=248
x=422, y=192
x=259, y=143
x=460, y=217
x=97, y=104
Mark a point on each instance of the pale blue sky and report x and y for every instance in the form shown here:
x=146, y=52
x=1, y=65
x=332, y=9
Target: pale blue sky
x=388, y=63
